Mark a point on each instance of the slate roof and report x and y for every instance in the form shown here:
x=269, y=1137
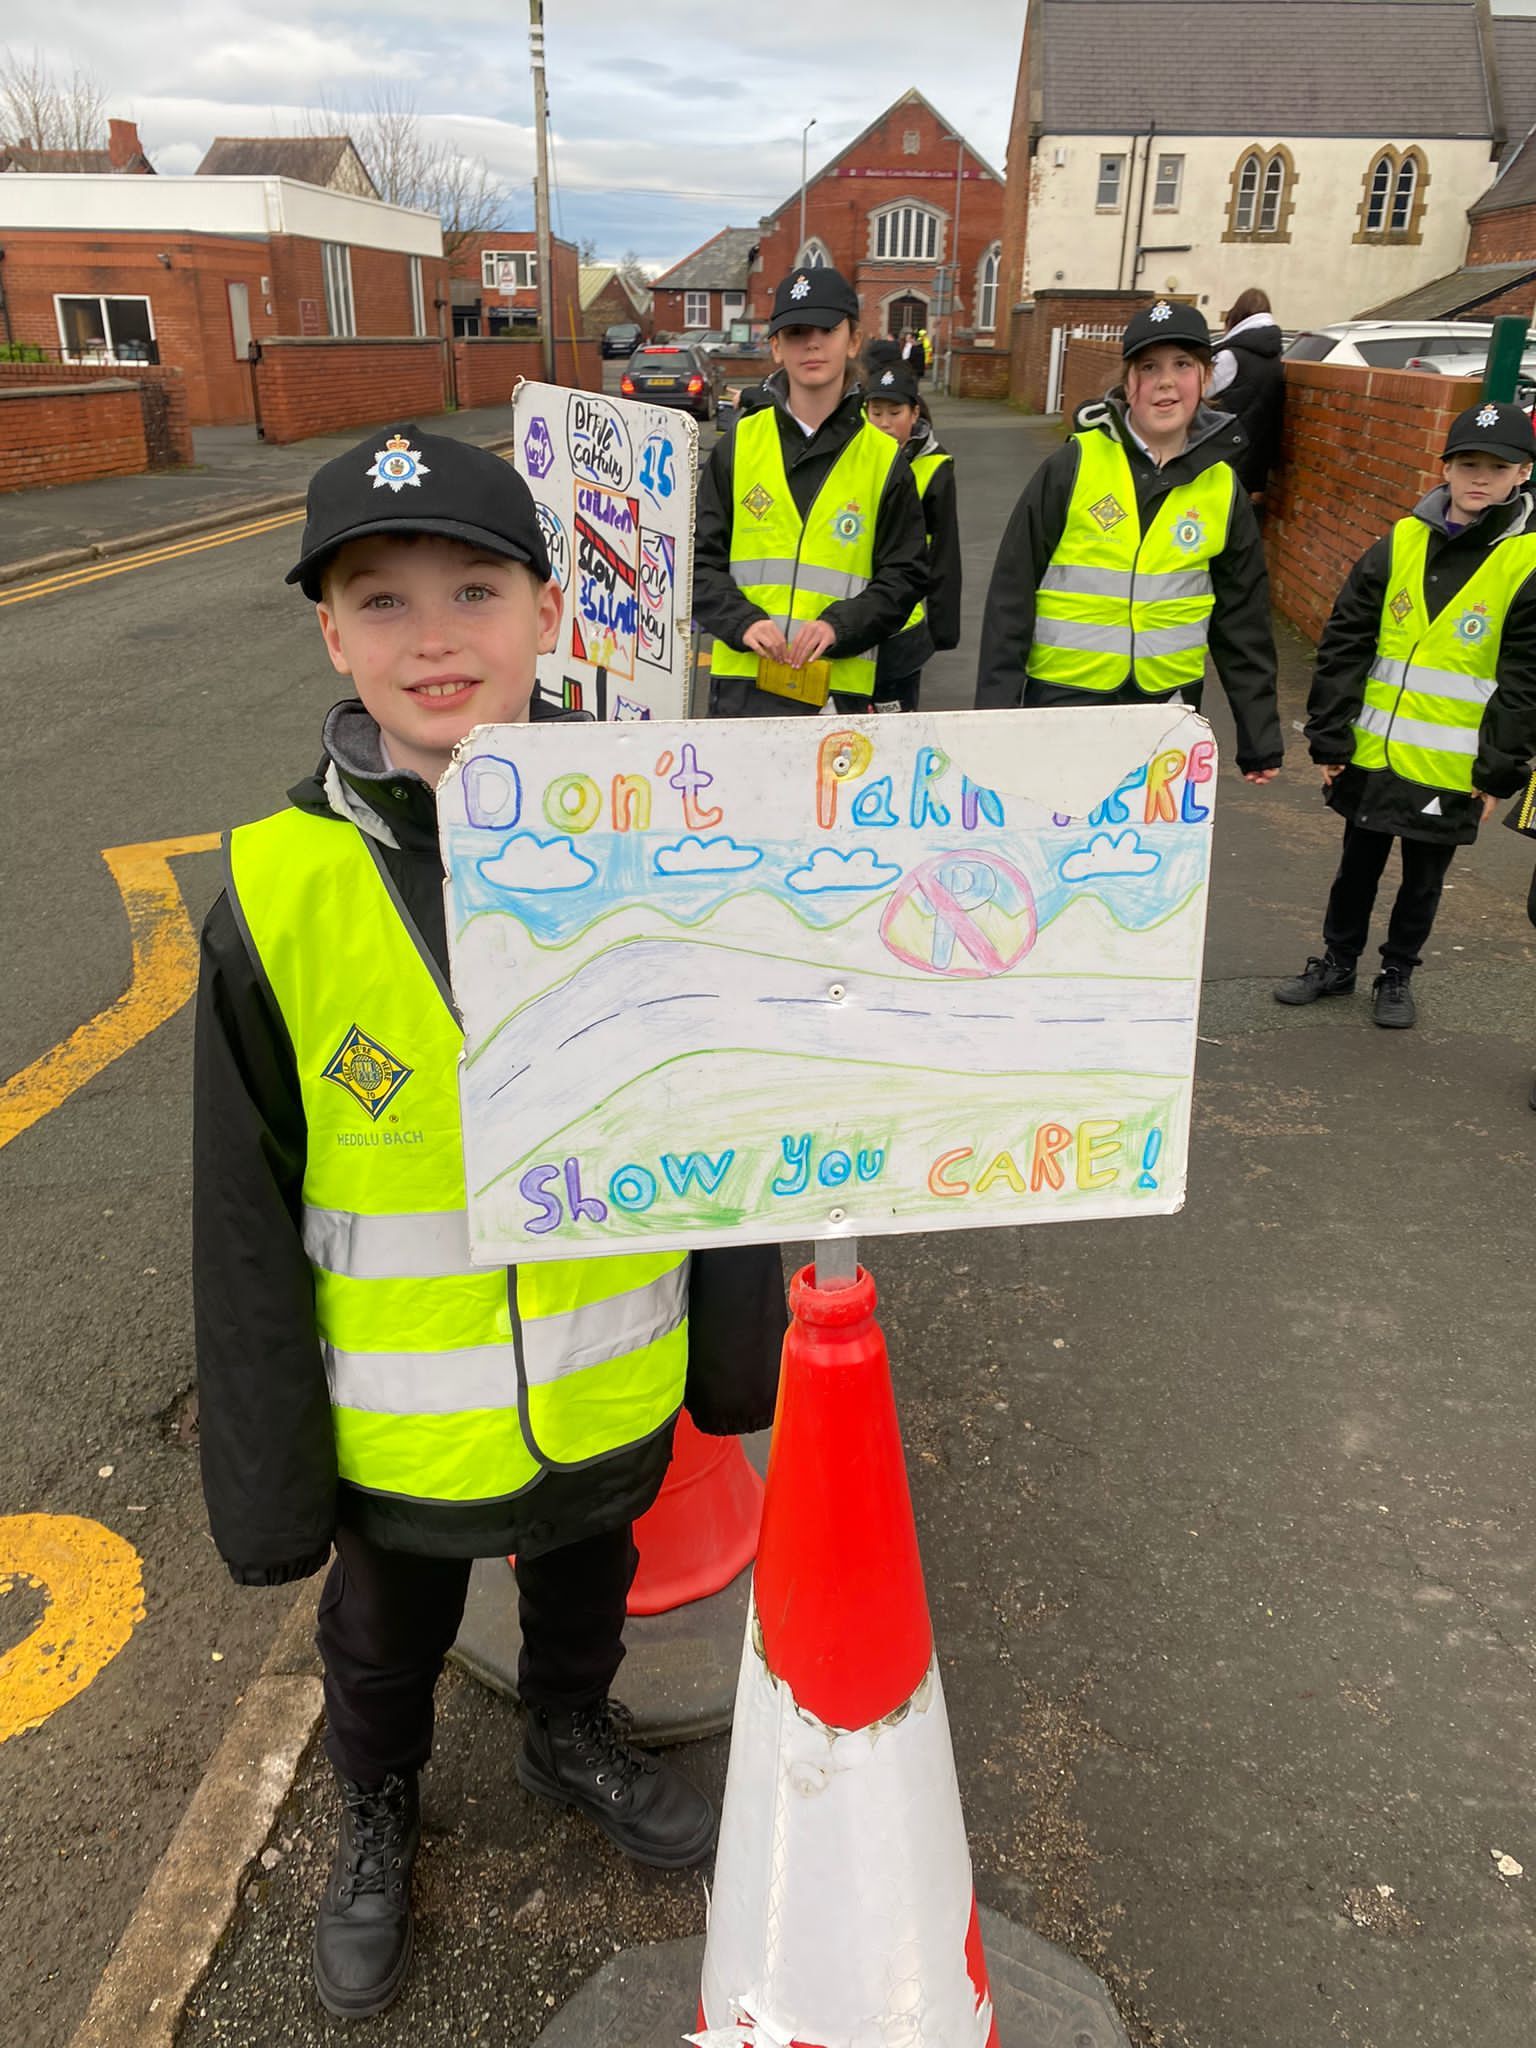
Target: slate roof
x=1515, y=184
x=1514, y=45
x=1264, y=67
x=309, y=159
x=22, y=156
x=723, y=264
x=1461, y=291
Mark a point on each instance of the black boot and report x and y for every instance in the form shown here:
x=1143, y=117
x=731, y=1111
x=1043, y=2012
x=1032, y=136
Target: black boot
x=585, y=1760
x=363, y=1934
x=1325, y=977
x=1392, y=1004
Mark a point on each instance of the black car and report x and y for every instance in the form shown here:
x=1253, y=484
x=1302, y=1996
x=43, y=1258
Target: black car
x=622, y=339
x=669, y=374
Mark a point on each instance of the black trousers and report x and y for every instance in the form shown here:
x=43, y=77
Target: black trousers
x=902, y=690
x=1347, y=925
x=388, y=1619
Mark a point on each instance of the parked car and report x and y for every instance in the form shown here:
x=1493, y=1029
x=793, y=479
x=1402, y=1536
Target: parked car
x=669, y=374
x=1474, y=364
x=713, y=341
x=1390, y=344
x=622, y=338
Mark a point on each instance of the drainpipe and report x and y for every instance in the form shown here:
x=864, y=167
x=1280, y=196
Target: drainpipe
x=1141, y=208
x=5, y=311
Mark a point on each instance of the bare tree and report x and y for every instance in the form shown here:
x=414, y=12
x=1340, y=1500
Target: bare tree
x=48, y=110
x=586, y=249
x=409, y=167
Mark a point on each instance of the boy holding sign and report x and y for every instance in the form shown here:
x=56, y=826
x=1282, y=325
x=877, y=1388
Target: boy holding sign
x=363, y=1385
x=810, y=548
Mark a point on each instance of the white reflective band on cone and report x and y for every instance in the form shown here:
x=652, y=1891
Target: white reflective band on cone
x=843, y=1895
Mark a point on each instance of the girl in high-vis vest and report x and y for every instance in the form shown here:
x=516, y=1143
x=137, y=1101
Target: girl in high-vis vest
x=810, y=547
x=1423, y=702
x=1133, y=554
x=365, y=1387
x=896, y=407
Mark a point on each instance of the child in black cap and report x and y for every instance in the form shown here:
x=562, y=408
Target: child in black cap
x=1134, y=550
x=810, y=547
x=362, y=1382
x=896, y=407
x=1422, y=701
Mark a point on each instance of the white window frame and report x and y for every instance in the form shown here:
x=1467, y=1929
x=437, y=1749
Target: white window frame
x=103, y=299
x=340, y=309
x=1110, y=179
x=1272, y=195
x=692, y=316
x=418, y=300
x=1171, y=204
x=907, y=231
x=525, y=267
x=814, y=256
x=988, y=275
x=1250, y=176
x=1404, y=190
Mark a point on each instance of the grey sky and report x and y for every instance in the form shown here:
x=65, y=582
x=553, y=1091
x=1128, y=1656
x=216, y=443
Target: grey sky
x=663, y=134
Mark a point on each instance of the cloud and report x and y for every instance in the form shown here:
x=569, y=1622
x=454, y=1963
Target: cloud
x=694, y=856
x=828, y=870
x=530, y=866
x=1105, y=858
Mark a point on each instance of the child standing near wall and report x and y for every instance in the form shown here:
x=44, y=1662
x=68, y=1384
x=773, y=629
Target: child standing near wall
x=1422, y=702
x=895, y=406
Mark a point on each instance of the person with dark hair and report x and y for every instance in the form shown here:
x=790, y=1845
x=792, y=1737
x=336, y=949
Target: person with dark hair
x=1247, y=380
x=896, y=407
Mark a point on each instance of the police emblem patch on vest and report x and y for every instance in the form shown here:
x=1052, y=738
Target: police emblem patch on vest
x=848, y=524
x=1188, y=532
x=1401, y=606
x=1473, y=624
x=758, y=502
x=1108, y=513
x=372, y=1076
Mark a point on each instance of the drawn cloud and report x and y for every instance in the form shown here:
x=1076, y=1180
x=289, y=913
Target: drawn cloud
x=531, y=866
x=1107, y=857
x=695, y=856
x=829, y=870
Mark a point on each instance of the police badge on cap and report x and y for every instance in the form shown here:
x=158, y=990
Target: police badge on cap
x=1493, y=429
x=814, y=297
x=1167, y=320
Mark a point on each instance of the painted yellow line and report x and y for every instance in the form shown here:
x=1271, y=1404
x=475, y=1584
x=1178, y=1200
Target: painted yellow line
x=164, y=976
x=93, y=1584
x=94, y=572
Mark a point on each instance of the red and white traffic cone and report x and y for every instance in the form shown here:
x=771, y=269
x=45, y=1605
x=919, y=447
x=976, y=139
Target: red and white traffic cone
x=843, y=1913
x=701, y=1531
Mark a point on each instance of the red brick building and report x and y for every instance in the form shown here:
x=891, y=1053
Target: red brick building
x=123, y=156
x=608, y=301
x=495, y=285
x=709, y=288
x=187, y=272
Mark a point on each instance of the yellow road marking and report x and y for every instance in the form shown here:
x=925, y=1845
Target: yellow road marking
x=173, y=551
x=164, y=976
x=95, y=1595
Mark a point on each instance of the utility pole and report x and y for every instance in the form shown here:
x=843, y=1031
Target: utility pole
x=804, y=138
x=954, y=272
x=541, y=188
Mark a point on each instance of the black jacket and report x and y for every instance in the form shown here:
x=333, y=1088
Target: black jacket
x=907, y=652
x=1376, y=798
x=268, y=1453
x=1242, y=641
x=1256, y=395
x=901, y=541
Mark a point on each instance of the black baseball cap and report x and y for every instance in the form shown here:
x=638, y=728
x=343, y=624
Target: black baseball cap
x=1494, y=429
x=1168, y=320
x=405, y=481
x=892, y=381
x=816, y=297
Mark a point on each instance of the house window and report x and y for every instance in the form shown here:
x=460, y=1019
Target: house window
x=696, y=309
x=1376, y=199
x=336, y=261
x=509, y=270
x=905, y=234
x=813, y=256
x=105, y=330
x=986, y=288
x=1402, y=198
x=1392, y=198
x=1262, y=196
x=1170, y=183
x=418, y=306
x=1111, y=172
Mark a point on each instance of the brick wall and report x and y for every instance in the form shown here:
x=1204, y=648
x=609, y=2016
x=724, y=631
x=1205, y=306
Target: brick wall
x=67, y=433
x=1033, y=325
x=979, y=373
x=1508, y=237
x=162, y=401
x=1093, y=367
x=669, y=312
x=1361, y=447
x=307, y=387
x=485, y=371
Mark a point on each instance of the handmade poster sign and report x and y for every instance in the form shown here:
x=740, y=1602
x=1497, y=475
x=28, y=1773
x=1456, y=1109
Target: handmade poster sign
x=614, y=485
x=811, y=977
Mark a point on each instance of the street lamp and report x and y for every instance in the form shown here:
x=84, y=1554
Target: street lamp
x=804, y=138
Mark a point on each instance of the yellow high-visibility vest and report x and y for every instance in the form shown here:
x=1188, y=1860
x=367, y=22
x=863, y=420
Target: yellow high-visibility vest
x=794, y=569
x=1431, y=678
x=924, y=469
x=449, y=1382
x=1117, y=603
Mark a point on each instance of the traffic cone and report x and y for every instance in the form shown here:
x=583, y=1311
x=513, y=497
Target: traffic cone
x=701, y=1531
x=843, y=1913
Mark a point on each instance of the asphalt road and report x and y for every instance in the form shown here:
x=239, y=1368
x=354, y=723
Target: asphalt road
x=1226, y=1518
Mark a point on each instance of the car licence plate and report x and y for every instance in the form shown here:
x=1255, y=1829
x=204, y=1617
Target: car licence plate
x=663, y=383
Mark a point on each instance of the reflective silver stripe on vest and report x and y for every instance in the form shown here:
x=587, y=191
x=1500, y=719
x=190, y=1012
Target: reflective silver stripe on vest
x=1432, y=682
x=431, y=1246
x=485, y=1375
x=1153, y=642
x=834, y=583
x=1148, y=587
x=1083, y=636
x=1417, y=732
